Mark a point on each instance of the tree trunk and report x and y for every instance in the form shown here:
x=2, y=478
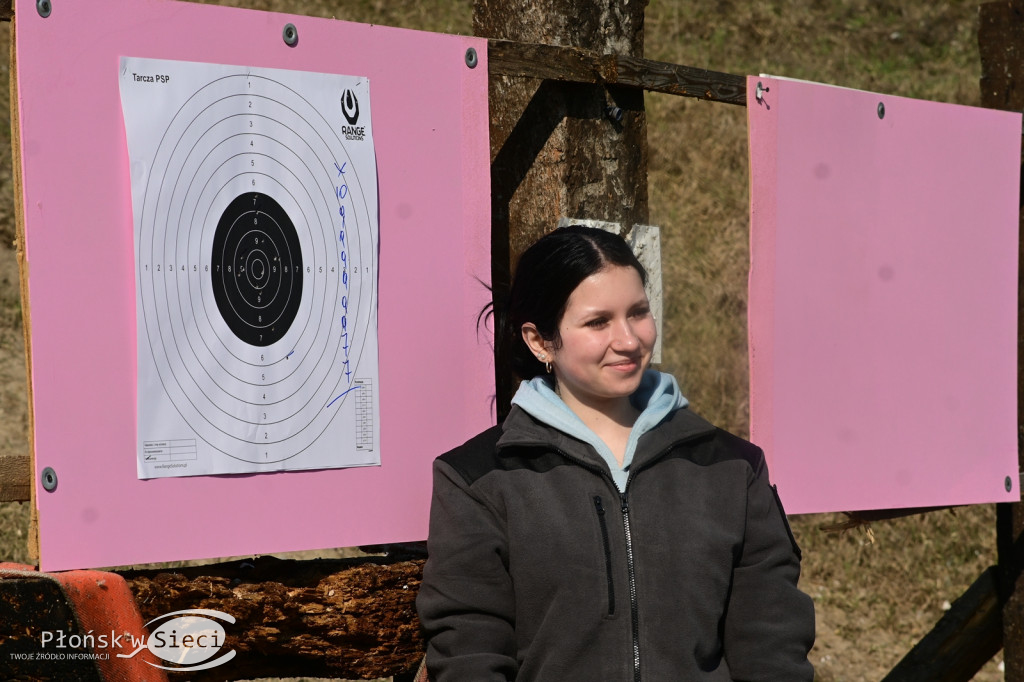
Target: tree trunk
x=557, y=149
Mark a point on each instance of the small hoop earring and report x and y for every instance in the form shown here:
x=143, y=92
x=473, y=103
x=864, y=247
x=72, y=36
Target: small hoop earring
x=543, y=357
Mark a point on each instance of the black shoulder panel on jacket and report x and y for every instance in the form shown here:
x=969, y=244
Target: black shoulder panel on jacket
x=743, y=448
x=476, y=456
x=480, y=456
x=720, y=446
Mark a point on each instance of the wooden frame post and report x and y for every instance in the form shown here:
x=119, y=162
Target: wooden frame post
x=1001, y=44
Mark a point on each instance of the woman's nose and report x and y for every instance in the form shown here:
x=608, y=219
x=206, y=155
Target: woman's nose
x=625, y=336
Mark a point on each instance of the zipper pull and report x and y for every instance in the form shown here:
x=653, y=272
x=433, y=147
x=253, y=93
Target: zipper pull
x=599, y=503
x=625, y=503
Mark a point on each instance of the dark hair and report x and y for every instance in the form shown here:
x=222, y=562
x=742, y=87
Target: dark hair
x=546, y=275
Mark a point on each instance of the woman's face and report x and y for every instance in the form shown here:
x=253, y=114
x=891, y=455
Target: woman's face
x=607, y=335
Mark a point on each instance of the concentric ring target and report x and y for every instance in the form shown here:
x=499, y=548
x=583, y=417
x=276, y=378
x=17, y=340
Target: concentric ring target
x=256, y=268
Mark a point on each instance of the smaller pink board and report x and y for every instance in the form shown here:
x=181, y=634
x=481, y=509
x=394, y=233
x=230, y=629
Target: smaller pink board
x=883, y=297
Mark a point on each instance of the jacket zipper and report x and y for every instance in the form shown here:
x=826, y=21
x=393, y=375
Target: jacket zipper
x=599, y=505
x=634, y=609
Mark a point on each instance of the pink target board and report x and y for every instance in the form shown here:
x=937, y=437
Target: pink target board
x=883, y=297
x=409, y=290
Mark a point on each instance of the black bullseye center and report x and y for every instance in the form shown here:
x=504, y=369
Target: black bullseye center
x=257, y=269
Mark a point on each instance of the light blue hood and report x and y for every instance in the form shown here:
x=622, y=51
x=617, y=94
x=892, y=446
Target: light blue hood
x=657, y=396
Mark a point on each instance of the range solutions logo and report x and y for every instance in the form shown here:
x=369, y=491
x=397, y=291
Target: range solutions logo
x=185, y=640
x=350, y=107
x=350, y=110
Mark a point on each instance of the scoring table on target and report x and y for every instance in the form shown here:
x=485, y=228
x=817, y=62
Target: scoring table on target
x=255, y=207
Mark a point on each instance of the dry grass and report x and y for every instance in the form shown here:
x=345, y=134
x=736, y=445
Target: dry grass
x=874, y=600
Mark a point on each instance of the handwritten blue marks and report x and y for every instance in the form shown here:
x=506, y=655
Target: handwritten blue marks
x=341, y=190
x=290, y=354
x=342, y=394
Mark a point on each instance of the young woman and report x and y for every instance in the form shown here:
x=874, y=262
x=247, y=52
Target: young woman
x=604, y=531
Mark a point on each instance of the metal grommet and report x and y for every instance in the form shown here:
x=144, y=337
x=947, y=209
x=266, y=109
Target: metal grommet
x=471, y=59
x=881, y=110
x=49, y=479
x=44, y=7
x=290, y=35
x=1009, y=484
x=759, y=91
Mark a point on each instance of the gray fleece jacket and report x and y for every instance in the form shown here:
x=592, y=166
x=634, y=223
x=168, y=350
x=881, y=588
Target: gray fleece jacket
x=541, y=569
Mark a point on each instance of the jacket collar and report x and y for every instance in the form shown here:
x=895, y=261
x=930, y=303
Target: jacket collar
x=680, y=426
x=521, y=430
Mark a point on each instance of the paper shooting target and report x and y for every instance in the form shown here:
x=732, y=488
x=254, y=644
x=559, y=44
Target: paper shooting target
x=255, y=202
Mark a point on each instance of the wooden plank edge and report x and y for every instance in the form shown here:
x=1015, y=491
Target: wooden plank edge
x=963, y=640
x=26, y=318
x=856, y=519
x=573, y=64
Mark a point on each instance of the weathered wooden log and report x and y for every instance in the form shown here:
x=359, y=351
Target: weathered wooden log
x=346, y=618
x=343, y=618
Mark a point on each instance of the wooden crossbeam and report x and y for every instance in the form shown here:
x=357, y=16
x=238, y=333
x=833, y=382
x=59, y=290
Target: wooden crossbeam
x=576, y=65
x=963, y=640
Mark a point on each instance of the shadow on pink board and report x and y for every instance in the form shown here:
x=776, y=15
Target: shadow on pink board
x=883, y=297
x=436, y=371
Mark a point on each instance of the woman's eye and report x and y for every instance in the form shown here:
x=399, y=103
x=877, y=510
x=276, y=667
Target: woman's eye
x=599, y=322
x=641, y=312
